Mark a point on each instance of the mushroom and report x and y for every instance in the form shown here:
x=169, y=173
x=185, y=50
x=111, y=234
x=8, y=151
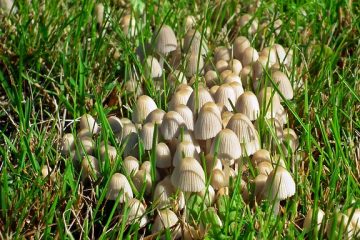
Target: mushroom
x=136, y=212
x=90, y=168
x=116, y=127
x=269, y=102
x=144, y=106
x=221, y=66
x=194, y=64
x=211, y=78
x=217, y=179
x=208, y=194
x=238, y=89
x=152, y=68
x=249, y=56
x=165, y=194
x=142, y=181
x=248, y=104
x=279, y=186
x=198, y=99
x=119, y=185
x=131, y=165
x=176, y=77
x=239, y=45
x=67, y=144
x=166, y=219
x=128, y=25
x=88, y=122
x=163, y=156
x=147, y=135
x=181, y=96
x=259, y=183
x=284, y=84
x=187, y=115
x=225, y=95
x=309, y=223
x=221, y=53
x=156, y=116
x=235, y=66
x=170, y=127
x=194, y=43
x=107, y=152
x=165, y=42
x=184, y=149
x=259, y=156
x=246, y=19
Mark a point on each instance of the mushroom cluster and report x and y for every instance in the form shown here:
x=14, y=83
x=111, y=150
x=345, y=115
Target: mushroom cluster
x=204, y=139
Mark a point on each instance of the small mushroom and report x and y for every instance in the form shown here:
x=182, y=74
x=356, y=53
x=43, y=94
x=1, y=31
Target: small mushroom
x=119, y=185
x=144, y=106
x=308, y=222
x=248, y=104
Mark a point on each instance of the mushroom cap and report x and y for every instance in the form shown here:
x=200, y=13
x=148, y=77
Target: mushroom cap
x=188, y=136
x=176, y=77
x=217, y=179
x=156, y=116
x=90, y=167
x=249, y=56
x=181, y=96
x=189, y=176
x=248, y=104
x=203, y=96
x=108, y=151
x=259, y=156
x=308, y=219
x=119, y=183
x=238, y=89
x=284, y=84
x=221, y=53
x=187, y=115
x=163, y=156
x=184, y=149
x=232, y=77
x=142, y=178
x=147, y=135
x=84, y=146
x=270, y=55
x=128, y=25
x=258, y=67
x=208, y=124
x=208, y=194
x=245, y=19
x=224, y=95
x=115, y=125
x=165, y=219
x=291, y=137
x=137, y=212
x=221, y=66
x=280, y=53
x=235, y=66
x=99, y=13
x=144, y=106
x=265, y=168
x=259, y=182
x=342, y=225
x=67, y=144
x=193, y=42
x=195, y=64
x=355, y=219
x=131, y=165
x=280, y=185
x=88, y=122
x=152, y=67
x=165, y=192
x=170, y=127
x=239, y=45
x=229, y=146
x=225, y=118
x=165, y=40
x=269, y=101
x=211, y=78
x=131, y=142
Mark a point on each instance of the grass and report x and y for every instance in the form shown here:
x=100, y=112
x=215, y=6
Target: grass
x=55, y=66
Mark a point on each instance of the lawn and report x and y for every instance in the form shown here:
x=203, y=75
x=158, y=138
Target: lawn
x=66, y=63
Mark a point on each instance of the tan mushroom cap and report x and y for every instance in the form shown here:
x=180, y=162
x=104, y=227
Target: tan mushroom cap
x=195, y=64
x=249, y=56
x=165, y=193
x=217, y=179
x=259, y=182
x=152, y=67
x=165, y=219
x=225, y=118
x=189, y=22
x=131, y=165
x=189, y=176
x=170, y=127
x=115, y=125
x=99, y=13
x=307, y=226
x=238, y=89
x=239, y=45
x=163, y=156
x=181, y=96
x=119, y=184
x=224, y=95
x=67, y=144
x=142, y=179
x=147, y=135
x=212, y=163
x=84, y=146
x=208, y=194
x=248, y=104
x=269, y=101
x=221, y=66
x=128, y=25
x=84, y=133
x=208, y=124
x=202, y=96
x=155, y=116
x=137, y=213
x=165, y=40
x=291, y=137
x=187, y=115
x=211, y=78
x=90, y=168
x=284, y=84
x=228, y=145
x=270, y=55
x=188, y=136
x=144, y=106
x=280, y=53
x=232, y=77
x=184, y=149
x=265, y=168
x=260, y=66
x=107, y=151
x=88, y=122
x=193, y=42
x=213, y=90
x=279, y=185
x=246, y=19
x=261, y=155
x=176, y=78
x=235, y=66
x=245, y=74
x=221, y=53
x=354, y=215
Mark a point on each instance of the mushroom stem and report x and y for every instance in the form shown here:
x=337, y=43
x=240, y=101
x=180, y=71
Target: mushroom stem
x=276, y=207
x=187, y=196
x=207, y=146
x=227, y=172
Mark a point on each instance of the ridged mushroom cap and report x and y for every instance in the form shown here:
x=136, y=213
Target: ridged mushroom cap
x=181, y=96
x=119, y=184
x=170, y=127
x=165, y=219
x=259, y=183
x=224, y=95
x=115, y=125
x=208, y=124
x=189, y=176
x=270, y=55
x=184, y=149
x=280, y=53
x=248, y=105
x=144, y=106
x=221, y=66
x=243, y=127
x=188, y=136
x=249, y=56
x=155, y=116
x=239, y=45
x=217, y=179
x=165, y=40
x=147, y=135
x=187, y=115
x=107, y=151
x=194, y=65
x=88, y=122
x=221, y=53
x=90, y=167
x=208, y=194
x=269, y=101
x=165, y=192
x=261, y=155
x=131, y=165
x=211, y=78
x=235, y=66
x=232, y=77
x=228, y=145
x=142, y=179
x=152, y=67
x=212, y=163
x=307, y=226
x=193, y=42
x=265, y=168
x=202, y=95
x=163, y=156
x=284, y=84
x=280, y=185
x=137, y=212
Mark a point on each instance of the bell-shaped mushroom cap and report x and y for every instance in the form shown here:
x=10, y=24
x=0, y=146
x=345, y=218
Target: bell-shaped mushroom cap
x=342, y=225
x=245, y=74
x=238, y=89
x=221, y=53
x=247, y=18
x=165, y=219
x=354, y=215
x=136, y=212
x=211, y=78
x=265, y=168
x=235, y=66
x=131, y=165
x=208, y=124
x=165, y=192
x=184, y=149
x=269, y=101
x=6, y=6
x=208, y=194
x=224, y=74
x=280, y=53
x=119, y=185
x=194, y=43
x=217, y=179
x=225, y=118
x=259, y=183
x=280, y=185
x=194, y=64
x=88, y=122
x=203, y=96
x=221, y=66
x=269, y=54
x=228, y=145
x=181, y=96
x=90, y=167
x=142, y=179
x=189, y=176
x=284, y=84
x=291, y=138
x=213, y=90
x=239, y=46
x=155, y=116
x=187, y=115
x=258, y=68
x=46, y=170
x=308, y=220
x=165, y=40
x=170, y=127
x=212, y=163
x=152, y=67
x=188, y=136
x=282, y=115
x=116, y=126
x=84, y=133
x=128, y=25
x=261, y=155
x=189, y=22
x=224, y=95
x=67, y=144
x=144, y=106
x=249, y=56
x=163, y=156
x=84, y=146
x=246, y=132
x=107, y=151
x=232, y=77
x=176, y=77
x=248, y=104
x=147, y=135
